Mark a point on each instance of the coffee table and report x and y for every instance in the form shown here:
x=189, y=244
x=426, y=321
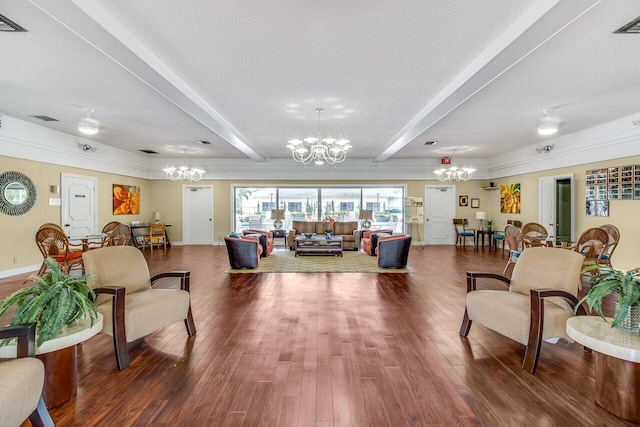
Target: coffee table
x=318, y=245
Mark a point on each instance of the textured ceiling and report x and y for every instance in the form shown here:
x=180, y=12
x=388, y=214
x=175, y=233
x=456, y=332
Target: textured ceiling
x=248, y=75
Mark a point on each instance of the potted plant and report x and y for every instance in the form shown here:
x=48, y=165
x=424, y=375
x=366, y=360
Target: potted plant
x=328, y=232
x=54, y=301
x=627, y=285
x=489, y=225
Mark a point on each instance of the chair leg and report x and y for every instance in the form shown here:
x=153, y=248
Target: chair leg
x=43, y=267
x=189, y=323
x=466, y=324
x=532, y=353
x=120, y=345
x=40, y=416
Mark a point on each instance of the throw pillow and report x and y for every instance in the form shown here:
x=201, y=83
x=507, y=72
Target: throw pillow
x=234, y=235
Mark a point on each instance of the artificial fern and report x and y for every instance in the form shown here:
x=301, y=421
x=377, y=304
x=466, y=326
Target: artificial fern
x=55, y=300
x=626, y=284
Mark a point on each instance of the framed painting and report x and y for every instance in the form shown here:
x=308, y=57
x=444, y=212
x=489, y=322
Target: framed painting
x=510, y=198
x=463, y=200
x=126, y=199
x=475, y=203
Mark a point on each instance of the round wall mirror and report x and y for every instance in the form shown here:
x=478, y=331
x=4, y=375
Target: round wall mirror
x=17, y=193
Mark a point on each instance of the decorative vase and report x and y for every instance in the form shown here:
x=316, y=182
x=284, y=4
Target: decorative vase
x=631, y=322
x=327, y=235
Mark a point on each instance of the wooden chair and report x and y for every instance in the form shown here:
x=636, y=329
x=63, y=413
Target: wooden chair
x=462, y=232
x=129, y=304
x=120, y=235
x=534, y=234
x=22, y=380
x=514, y=240
x=53, y=243
x=614, y=239
x=592, y=244
x=541, y=296
x=157, y=235
x=502, y=236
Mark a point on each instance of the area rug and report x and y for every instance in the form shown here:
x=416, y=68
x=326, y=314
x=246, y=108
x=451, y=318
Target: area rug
x=351, y=262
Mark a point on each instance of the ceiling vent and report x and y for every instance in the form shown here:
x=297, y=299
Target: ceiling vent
x=204, y=142
x=148, y=151
x=431, y=143
x=46, y=118
x=8, y=25
x=632, y=27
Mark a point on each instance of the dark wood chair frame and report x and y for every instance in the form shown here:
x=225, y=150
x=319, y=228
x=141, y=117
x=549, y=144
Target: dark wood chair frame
x=118, y=309
x=532, y=353
x=26, y=347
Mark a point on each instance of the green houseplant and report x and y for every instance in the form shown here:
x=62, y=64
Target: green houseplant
x=489, y=224
x=54, y=301
x=627, y=286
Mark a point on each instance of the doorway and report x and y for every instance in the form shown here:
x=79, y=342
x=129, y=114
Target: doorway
x=439, y=210
x=79, y=205
x=197, y=212
x=556, y=197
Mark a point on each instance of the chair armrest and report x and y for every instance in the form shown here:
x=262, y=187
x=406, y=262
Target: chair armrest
x=183, y=275
x=110, y=290
x=473, y=275
x=539, y=294
x=26, y=335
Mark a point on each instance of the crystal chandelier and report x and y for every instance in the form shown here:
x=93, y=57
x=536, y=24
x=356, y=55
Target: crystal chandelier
x=454, y=173
x=318, y=148
x=184, y=172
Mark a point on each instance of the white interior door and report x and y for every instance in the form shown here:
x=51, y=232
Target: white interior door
x=79, y=205
x=547, y=205
x=198, y=215
x=440, y=207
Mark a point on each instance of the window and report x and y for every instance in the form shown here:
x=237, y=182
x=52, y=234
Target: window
x=374, y=206
x=294, y=207
x=268, y=206
x=346, y=206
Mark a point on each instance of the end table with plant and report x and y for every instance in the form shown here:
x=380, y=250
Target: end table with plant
x=54, y=301
x=627, y=285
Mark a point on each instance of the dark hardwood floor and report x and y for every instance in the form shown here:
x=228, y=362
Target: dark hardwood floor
x=330, y=349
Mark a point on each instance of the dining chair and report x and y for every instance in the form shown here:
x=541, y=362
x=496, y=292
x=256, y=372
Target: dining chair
x=614, y=239
x=157, y=235
x=534, y=234
x=462, y=232
x=52, y=242
x=513, y=237
x=120, y=235
x=592, y=243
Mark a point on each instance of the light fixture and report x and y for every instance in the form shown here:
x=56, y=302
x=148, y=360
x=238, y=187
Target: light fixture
x=184, y=172
x=319, y=148
x=366, y=215
x=545, y=149
x=453, y=172
x=277, y=215
x=549, y=124
x=481, y=216
x=89, y=126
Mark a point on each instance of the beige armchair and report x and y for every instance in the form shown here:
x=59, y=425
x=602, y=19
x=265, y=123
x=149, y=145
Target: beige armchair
x=21, y=381
x=125, y=296
x=541, y=296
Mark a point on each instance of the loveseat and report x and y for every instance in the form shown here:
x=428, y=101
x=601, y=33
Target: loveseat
x=347, y=230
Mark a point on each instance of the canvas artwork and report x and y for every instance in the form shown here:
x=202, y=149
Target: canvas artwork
x=510, y=198
x=126, y=199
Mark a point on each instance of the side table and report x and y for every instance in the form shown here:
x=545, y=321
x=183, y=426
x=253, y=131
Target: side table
x=60, y=358
x=280, y=233
x=617, y=364
x=482, y=233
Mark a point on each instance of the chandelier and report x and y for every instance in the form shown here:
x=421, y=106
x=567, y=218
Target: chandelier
x=318, y=148
x=453, y=173
x=184, y=172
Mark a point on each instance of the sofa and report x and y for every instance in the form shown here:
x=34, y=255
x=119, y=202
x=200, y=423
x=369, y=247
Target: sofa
x=348, y=230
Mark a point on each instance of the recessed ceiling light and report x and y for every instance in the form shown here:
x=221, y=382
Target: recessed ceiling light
x=89, y=126
x=547, y=128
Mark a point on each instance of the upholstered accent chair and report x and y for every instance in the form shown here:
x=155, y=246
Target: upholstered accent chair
x=266, y=248
x=21, y=381
x=244, y=252
x=393, y=251
x=370, y=240
x=541, y=296
x=125, y=297
x=462, y=232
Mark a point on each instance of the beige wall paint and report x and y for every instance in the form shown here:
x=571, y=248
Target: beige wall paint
x=19, y=232
x=166, y=197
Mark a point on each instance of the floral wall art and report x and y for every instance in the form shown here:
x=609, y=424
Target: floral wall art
x=126, y=199
x=510, y=198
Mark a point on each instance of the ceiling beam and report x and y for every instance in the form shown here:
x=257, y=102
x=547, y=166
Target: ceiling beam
x=92, y=23
x=543, y=20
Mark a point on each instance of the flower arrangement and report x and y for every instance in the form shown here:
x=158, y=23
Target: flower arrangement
x=54, y=301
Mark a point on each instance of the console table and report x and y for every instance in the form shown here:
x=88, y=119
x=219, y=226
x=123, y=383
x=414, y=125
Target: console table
x=617, y=369
x=134, y=237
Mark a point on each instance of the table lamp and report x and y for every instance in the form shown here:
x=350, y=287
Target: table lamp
x=481, y=216
x=366, y=215
x=157, y=216
x=277, y=215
